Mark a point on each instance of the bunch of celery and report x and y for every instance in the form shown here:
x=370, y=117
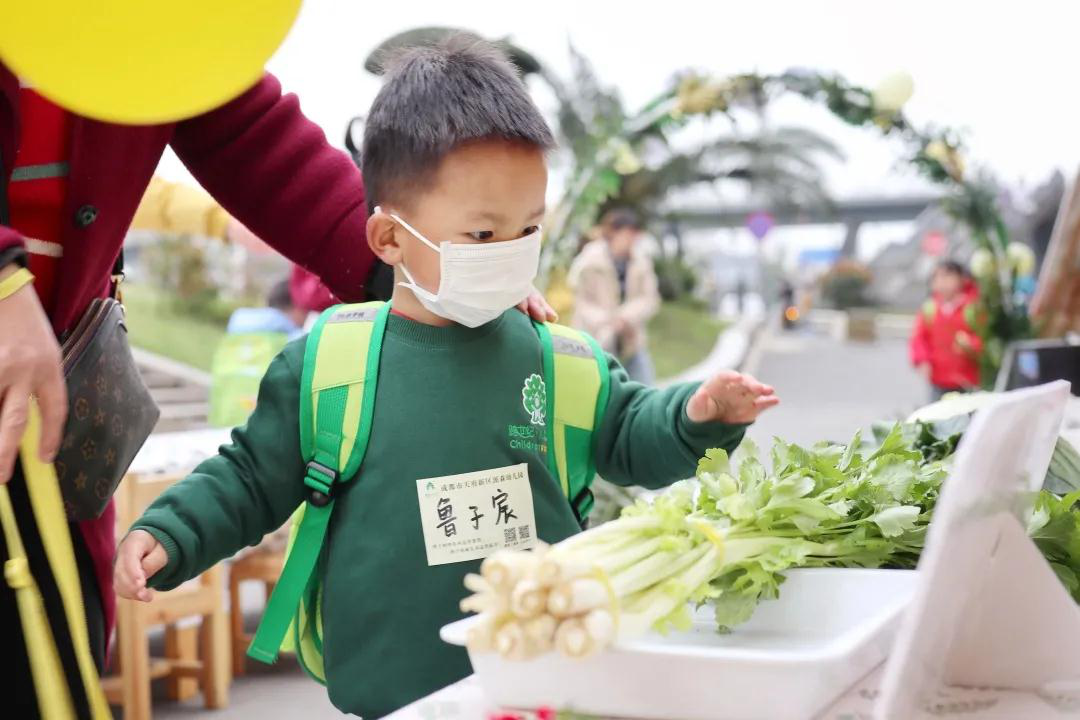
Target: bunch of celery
x=723, y=539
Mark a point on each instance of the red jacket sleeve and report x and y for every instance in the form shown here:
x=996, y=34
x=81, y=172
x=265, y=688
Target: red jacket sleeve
x=919, y=345
x=273, y=169
x=308, y=292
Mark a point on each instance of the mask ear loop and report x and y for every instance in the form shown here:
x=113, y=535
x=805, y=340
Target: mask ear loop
x=413, y=231
x=412, y=285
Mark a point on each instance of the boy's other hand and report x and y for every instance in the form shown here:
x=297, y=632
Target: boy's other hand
x=730, y=397
x=537, y=307
x=138, y=558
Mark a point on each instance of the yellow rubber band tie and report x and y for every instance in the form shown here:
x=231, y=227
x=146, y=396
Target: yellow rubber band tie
x=14, y=282
x=711, y=535
x=613, y=599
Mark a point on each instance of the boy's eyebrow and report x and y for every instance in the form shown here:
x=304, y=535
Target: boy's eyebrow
x=496, y=216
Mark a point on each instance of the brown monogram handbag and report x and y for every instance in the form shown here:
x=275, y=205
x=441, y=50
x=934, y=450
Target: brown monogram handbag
x=110, y=410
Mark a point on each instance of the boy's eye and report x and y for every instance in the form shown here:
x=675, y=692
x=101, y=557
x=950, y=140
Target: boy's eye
x=481, y=235
x=530, y=230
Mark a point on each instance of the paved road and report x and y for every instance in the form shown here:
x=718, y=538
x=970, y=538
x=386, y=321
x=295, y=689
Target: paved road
x=830, y=388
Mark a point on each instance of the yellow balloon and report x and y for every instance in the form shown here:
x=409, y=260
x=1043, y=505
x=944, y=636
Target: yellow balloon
x=142, y=61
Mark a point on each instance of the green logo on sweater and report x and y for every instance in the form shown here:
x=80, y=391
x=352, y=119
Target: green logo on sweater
x=534, y=399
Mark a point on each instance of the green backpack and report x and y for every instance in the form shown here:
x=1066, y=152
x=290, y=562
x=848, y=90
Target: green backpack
x=240, y=362
x=335, y=424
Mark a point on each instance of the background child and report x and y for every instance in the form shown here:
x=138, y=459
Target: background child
x=281, y=315
x=455, y=170
x=616, y=292
x=943, y=345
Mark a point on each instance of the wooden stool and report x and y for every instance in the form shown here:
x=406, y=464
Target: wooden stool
x=259, y=565
x=202, y=597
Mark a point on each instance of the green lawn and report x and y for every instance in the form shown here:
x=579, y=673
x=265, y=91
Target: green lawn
x=681, y=335
x=156, y=324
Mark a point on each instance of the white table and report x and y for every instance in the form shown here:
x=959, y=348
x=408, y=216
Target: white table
x=178, y=452
x=465, y=701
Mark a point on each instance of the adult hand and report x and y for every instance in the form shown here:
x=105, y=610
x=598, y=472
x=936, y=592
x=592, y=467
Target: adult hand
x=537, y=307
x=29, y=365
x=730, y=397
x=139, y=557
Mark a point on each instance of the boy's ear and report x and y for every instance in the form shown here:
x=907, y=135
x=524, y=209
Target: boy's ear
x=382, y=238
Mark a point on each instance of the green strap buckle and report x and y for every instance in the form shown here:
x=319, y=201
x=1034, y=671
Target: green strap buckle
x=320, y=479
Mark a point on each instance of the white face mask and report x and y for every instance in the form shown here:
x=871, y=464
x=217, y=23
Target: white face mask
x=478, y=282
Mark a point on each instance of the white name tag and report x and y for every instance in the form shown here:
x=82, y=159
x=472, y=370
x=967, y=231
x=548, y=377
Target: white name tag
x=470, y=516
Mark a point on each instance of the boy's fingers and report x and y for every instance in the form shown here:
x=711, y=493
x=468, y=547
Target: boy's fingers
x=155, y=560
x=766, y=401
x=763, y=389
x=719, y=382
x=700, y=407
x=133, y=569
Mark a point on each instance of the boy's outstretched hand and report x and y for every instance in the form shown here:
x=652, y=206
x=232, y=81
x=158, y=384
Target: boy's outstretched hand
x=139, y=556
x=730, y=397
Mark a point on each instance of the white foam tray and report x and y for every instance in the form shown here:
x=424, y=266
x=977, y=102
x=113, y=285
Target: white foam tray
x=796, y=655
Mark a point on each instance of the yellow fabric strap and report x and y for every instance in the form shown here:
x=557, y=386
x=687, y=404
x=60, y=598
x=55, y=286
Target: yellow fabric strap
x=14, y=282
x=40, y=646
x=50, y=684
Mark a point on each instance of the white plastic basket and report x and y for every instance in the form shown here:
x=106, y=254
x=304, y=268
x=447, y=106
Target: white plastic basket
x=796, y=655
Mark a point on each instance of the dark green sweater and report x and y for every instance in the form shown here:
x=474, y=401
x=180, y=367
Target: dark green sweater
x=449, y=401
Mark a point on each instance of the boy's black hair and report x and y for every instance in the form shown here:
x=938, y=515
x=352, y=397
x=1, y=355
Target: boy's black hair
x=436, y=99
x=953, y=267
x=279, y=296
x=621, y=218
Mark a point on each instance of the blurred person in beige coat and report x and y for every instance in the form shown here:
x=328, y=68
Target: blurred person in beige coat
x=615, y=291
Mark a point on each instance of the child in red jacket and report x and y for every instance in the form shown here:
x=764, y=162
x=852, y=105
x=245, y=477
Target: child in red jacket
x=943, y=345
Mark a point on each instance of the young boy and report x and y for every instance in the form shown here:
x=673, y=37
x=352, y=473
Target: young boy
x=453, y=154
x=943, y=347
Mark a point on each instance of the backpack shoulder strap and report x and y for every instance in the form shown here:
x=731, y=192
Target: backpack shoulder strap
x=337, y=401
x=337, y=393
x=578, y=384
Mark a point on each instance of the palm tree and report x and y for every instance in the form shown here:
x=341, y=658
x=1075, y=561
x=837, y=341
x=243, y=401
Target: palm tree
x=780, y=166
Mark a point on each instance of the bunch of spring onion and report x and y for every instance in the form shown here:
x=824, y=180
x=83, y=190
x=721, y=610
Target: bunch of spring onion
x=723, y=539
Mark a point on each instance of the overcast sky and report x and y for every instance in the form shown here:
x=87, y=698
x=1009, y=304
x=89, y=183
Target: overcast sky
x=1005, y=71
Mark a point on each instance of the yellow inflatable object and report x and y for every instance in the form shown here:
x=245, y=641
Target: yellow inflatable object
x=140, y=62
x=559, y=295
x=180, y=209
x=54, y=697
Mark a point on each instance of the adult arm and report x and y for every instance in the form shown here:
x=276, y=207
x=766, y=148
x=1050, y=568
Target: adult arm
x=273, y=169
